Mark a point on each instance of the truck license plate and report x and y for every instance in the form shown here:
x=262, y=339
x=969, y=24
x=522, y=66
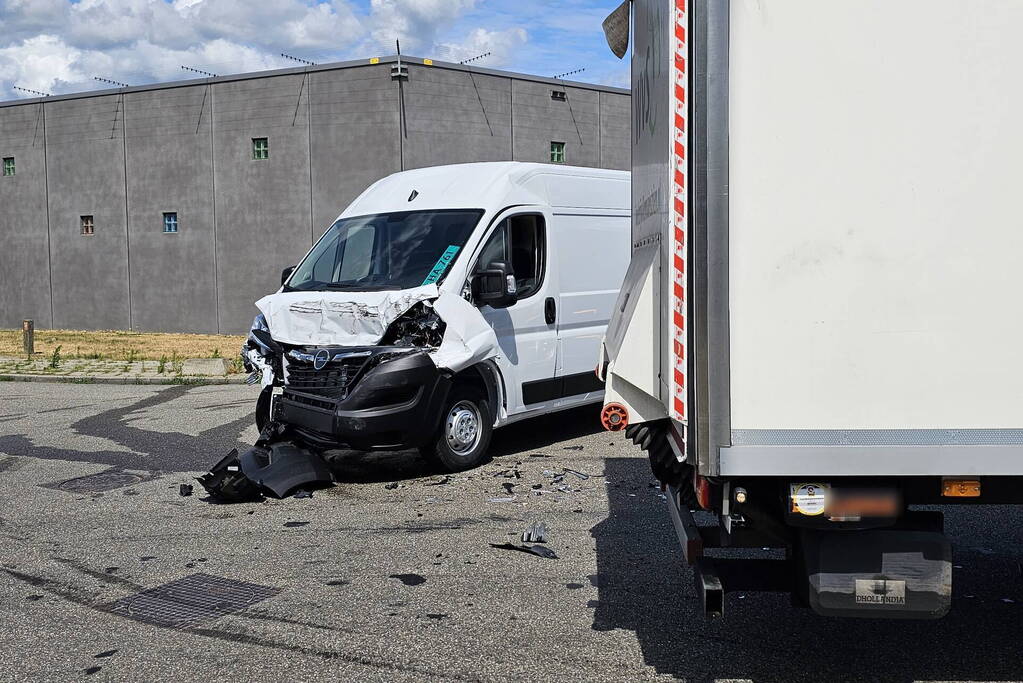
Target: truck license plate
x=880, y=592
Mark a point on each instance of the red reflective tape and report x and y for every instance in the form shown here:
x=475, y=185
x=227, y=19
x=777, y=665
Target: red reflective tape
x=680, y=94
x=680, y=123
x=680, y=207
x=680, y=350
x=680, y=379
x=680, y=265
x=680, y=321
x=680, y=237
x=680, y=291
x=680, y=408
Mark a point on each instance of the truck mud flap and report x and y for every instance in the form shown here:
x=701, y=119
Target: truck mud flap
x=883, y=573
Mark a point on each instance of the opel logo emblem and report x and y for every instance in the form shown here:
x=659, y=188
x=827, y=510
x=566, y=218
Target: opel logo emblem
x=321, y=359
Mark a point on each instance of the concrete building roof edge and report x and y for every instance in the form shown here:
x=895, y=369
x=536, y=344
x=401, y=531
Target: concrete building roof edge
x=393, y=59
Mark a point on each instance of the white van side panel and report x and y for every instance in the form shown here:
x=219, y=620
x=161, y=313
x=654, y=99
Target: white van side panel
x=591, y=257
x=875, y=230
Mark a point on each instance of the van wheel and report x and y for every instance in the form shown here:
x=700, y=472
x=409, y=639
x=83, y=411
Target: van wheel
x=463, y=437
x=263, y=408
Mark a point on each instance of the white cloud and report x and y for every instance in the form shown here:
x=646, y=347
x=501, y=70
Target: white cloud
x=415, y=22
x=501, y=45
x=58, y=46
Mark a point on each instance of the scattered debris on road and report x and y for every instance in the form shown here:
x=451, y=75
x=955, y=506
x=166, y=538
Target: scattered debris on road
x=537, y=533
x=409, y=579
x=275, y=466
x=538, y=550
x=185, y=490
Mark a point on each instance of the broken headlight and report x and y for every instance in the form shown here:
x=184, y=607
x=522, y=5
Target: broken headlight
x=419, y=326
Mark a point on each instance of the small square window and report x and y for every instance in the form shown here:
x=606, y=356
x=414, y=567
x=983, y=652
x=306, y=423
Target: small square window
x=8, y=165
x=559, y=96
x=170, y=222
x=88, y=226
x=558, y=152
x=260, y=148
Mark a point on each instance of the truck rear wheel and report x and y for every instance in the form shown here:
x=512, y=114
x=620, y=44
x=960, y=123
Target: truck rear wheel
x=463, y=437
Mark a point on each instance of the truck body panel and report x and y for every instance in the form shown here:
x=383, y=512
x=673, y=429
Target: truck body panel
x=848, y=280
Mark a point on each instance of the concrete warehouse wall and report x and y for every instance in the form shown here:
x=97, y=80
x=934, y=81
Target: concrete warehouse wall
x=126, y=157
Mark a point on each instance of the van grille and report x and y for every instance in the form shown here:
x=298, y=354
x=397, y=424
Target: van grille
x=336, y=378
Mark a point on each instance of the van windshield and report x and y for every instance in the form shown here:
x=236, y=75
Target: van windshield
x=385, y=251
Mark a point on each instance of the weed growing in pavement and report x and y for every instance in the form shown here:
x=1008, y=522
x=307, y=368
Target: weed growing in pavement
x=6, y=378
x=55, y=358
x=237, y=365
x=216, y=353
x=162, y=365
x=191, y=381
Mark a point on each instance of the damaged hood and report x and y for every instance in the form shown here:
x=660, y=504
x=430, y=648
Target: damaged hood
x=362, y=319
x=338, y=318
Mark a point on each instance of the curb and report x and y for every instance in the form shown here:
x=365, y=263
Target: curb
x=103, y=379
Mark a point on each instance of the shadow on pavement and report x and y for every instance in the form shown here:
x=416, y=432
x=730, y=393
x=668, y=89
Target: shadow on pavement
x=153, y=451
x=644, y=587
x=520, y=438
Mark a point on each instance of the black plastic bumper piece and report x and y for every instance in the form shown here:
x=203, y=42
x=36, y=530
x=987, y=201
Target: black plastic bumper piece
x=394, y=406
x=283, y=468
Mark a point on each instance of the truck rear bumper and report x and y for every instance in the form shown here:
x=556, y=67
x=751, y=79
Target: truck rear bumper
x=897, y=453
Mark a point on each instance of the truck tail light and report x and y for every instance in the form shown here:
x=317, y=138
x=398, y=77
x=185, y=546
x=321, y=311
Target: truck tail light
x=960, y=488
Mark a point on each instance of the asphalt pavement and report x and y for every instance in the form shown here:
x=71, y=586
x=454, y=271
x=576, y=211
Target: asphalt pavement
x=108, y=573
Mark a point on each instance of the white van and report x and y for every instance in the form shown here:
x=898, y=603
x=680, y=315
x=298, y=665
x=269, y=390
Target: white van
x=443, y=303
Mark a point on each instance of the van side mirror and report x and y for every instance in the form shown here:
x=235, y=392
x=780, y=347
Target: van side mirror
x=286, y=273
x=495, y=286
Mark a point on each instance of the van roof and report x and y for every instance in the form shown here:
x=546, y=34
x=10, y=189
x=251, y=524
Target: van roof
x=494, y=186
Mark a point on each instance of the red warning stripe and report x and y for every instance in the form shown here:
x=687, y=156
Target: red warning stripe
x=679, y=218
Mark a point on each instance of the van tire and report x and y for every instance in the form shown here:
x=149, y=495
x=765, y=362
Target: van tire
x=463, y=436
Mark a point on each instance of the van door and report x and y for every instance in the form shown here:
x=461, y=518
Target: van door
x=590, y=265
x=526, y=331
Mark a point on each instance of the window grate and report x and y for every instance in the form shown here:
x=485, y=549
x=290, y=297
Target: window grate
x=8, y=165
x=559, y=96
x=260, y=148
x=557, y=152
x=170, y=222
x=88, y=225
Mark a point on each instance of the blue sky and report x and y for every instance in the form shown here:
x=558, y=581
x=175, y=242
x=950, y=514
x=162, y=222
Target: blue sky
x=57, y=46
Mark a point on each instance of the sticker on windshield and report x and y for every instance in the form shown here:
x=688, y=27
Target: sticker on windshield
x=442, y=265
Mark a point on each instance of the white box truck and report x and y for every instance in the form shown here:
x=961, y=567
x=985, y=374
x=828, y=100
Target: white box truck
x=820, y=327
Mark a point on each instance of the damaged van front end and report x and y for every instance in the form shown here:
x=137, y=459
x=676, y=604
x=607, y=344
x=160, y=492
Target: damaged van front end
x=360, y=347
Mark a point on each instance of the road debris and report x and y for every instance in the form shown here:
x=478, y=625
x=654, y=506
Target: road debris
x=409, y=579
x=275, y=466
x=508, y=486
x=393, y=485
x=537, y=533
x=440, y=482
x=538, y=550
x=185, y=490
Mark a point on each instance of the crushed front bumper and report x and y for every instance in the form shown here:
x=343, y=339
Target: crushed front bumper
x=393, y=406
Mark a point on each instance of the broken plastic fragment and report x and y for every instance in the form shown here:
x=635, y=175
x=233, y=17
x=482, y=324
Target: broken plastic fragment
x=225, y=482
x=538, y=550
x=537, y=533
x=283, y=468
x=185, y=490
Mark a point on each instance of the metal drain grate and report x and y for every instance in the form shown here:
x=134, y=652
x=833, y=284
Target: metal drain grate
x=195, y=598
x=99, y=482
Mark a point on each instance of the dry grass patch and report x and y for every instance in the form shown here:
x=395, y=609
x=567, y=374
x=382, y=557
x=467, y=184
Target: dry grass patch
x=123, y=346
